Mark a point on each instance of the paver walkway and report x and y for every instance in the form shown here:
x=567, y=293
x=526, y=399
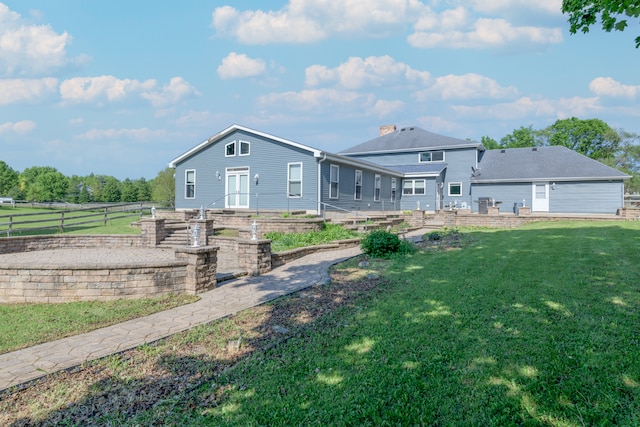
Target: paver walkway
x=228, y=298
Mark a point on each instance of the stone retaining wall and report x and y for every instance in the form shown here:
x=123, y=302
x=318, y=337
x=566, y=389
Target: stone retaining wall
x=193, y=272
x=284, y=257
x=67, y=241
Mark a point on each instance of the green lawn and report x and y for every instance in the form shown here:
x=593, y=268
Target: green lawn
x=534, y=326
x=24, y=325
x=50, y=218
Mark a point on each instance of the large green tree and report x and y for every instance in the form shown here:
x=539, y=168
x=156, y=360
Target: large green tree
x=592, y=137
x=613, y=14
x=50, y=186
x=521, y=137
x=164, y=187
x=8, y=179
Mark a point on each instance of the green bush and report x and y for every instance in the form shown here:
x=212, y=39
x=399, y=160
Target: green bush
x=381, y=244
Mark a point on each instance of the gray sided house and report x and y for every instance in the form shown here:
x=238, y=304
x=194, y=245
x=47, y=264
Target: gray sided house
x=241, y=168
x=551, y=179
x=436, y=169
x=402, y=169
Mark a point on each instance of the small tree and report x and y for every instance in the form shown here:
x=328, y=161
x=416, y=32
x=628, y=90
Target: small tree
x=163, y=187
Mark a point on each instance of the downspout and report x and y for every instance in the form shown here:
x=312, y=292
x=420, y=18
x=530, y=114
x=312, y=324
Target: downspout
x=320, y=182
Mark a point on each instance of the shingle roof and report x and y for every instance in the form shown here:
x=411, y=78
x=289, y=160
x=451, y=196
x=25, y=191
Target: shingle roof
x=409, y=139
x=541, y=163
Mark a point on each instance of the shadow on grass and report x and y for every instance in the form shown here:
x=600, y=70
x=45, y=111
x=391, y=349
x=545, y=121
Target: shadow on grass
x=535, y=326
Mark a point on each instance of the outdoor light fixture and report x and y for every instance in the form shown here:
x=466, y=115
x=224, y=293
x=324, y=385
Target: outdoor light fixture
x=553, y=186
x=218, y=175
x=256, y=177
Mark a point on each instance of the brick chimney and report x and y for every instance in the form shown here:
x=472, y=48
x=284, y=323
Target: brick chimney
x=385, y=129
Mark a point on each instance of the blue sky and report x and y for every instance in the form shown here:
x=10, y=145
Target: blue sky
x=122, y=87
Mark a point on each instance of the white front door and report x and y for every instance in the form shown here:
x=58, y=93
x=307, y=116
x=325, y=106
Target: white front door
x=540, y=197
x=237, y=188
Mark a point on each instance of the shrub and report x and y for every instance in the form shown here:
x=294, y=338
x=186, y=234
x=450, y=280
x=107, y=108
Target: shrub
x=381, y=244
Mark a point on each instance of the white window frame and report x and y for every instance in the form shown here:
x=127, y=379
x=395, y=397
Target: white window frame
x=454, y=184
x=248, y=145
x=393, y=190
x=187, y=184
x=377, y=187
x=290, y=181
x=430, y=156
x=226, y=149
x=334, y=182
x=413, y=187
x=358, y=185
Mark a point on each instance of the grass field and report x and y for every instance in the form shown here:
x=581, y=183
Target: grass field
x=535, y=326
x=48, y=222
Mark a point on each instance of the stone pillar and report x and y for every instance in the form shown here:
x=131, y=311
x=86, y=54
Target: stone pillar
x=417, y=218
x=524, y=211
x=153, y=231
x=206, y=231
x=493, y=210
x=254, y=256
x=202, y=263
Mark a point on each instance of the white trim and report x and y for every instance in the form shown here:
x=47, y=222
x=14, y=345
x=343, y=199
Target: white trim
x=215, y=138
x=413, y=187
x=449, y=189
x=289, y=180
x=355, y=185
x=431, y=161
x=186, y=172
x=336, y=182
x=240, y=150
x=394, y=190
x=237, y=171
x=234, y=149
x=377, y=187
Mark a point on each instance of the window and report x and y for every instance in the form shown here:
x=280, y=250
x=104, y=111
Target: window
x=295, y=180
x=334, y=178
x=190, y=184
x=230, y=149
x=244, y=148
x=358, y=193
x=413, y=187
x=455, y=189
x=393, y=190
x=376, y=188
x=541, y=191
x=431, y=156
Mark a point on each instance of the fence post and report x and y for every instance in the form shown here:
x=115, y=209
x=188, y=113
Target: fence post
x=105, y=216
x=62, y=222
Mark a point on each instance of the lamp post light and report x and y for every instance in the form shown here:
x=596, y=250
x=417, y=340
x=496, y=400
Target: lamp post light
x=195, y=233
x=254, y=230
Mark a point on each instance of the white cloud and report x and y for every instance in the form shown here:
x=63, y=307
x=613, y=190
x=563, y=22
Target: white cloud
x=308, y=21
x=526, y=107
x=238, y=66
x=374, y=71
x=21, y=127
x=606, y=86
x=466, y=86
x=86, y=89
x=140, y=134
x=176, y=90
x=26, y=90
x=330, y=102
x=551, y=7
x=27, y=49
x=484, y=33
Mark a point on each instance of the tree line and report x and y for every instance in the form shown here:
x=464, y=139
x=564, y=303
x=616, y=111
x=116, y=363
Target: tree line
x=47, y=184
x=592, y=137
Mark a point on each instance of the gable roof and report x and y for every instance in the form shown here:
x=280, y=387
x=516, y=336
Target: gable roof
x=213, y=139
x=548, y=163
x=410, y=139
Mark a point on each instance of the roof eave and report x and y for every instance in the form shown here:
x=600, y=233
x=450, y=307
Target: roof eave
x=558, y=179
x=419, y=149
x=233, y=128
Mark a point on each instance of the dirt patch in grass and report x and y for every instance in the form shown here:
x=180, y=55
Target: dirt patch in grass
x=116, y=388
